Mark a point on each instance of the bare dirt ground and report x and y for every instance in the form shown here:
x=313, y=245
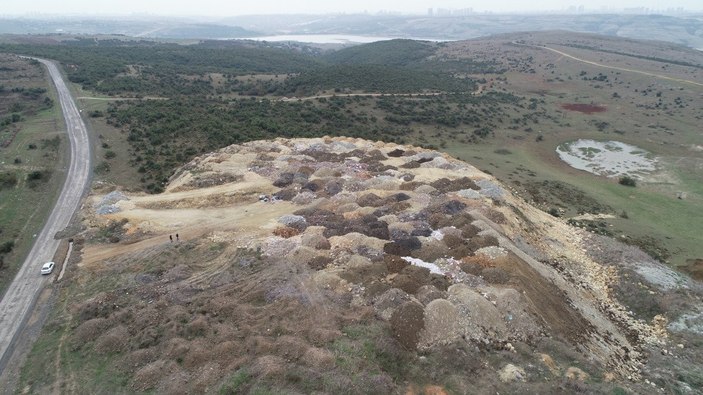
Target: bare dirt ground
x=338, y=265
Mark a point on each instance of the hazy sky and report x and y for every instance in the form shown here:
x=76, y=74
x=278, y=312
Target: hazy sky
x=239, y=7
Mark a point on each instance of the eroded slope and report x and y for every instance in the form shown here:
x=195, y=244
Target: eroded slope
x=342, y=265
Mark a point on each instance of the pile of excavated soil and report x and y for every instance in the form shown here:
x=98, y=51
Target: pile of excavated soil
x=290, y=252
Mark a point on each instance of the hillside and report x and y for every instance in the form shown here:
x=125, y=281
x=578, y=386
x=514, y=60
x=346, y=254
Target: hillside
x=339, y=265
x=683, y=29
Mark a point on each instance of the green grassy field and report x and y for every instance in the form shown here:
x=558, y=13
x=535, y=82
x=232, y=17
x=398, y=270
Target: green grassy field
x=39, y=150
x=657, y=116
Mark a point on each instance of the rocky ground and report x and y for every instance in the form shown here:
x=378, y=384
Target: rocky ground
x=350, y=266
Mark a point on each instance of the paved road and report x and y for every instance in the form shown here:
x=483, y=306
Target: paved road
x=20, y=297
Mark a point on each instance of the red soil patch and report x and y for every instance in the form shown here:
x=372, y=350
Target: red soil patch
x=584, y=108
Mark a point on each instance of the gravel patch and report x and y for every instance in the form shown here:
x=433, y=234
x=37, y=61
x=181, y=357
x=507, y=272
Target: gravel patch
x=469, y=194
x=492, y=252
x=491, y=190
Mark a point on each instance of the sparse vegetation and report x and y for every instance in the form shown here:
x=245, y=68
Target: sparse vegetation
x=102, y=168
x=628, y=181
x=351, y=349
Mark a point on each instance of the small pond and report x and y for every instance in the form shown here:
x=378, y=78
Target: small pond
x=607, y=158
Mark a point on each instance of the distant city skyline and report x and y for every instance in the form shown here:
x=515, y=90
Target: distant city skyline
x=234, y=8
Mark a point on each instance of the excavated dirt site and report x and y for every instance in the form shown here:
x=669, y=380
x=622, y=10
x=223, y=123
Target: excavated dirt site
x=347, y=266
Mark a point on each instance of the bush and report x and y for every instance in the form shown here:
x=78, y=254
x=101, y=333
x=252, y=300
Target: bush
x=6, y=247
x=7, y=180
x=35, y=175
x=102, y=168
x=628, y=181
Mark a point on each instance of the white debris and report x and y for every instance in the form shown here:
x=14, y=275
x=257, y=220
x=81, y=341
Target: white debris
x=419, y=262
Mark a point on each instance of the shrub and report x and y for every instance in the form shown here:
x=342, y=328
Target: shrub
x=102, y=168
x=628, y=181
x=6, y=247
x=35, y=175
x=7, y=180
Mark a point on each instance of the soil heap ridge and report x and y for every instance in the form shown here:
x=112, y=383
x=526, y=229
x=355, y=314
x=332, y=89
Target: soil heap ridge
x=287, y=251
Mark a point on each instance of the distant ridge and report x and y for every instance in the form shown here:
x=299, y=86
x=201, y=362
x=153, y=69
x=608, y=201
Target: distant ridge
x=684, y=29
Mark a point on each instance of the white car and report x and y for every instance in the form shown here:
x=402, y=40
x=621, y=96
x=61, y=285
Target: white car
x=47, y=268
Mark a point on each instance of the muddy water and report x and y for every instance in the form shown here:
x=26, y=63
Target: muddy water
x=607, y=158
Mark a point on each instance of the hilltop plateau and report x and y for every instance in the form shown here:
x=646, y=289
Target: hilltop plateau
x=340, y=265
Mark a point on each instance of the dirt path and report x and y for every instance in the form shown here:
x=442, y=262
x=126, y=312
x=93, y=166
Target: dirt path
x=564, y=54
x=121, y=98
x=478, y=91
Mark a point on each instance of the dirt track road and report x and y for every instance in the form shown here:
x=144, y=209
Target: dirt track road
x=664, y=77
x=20, y=297
x=648, y=74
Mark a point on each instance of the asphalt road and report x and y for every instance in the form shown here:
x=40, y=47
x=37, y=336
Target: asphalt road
x=20, y=297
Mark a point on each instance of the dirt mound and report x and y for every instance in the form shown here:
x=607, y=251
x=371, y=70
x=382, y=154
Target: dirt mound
x=406, y=323
x=331, y=260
